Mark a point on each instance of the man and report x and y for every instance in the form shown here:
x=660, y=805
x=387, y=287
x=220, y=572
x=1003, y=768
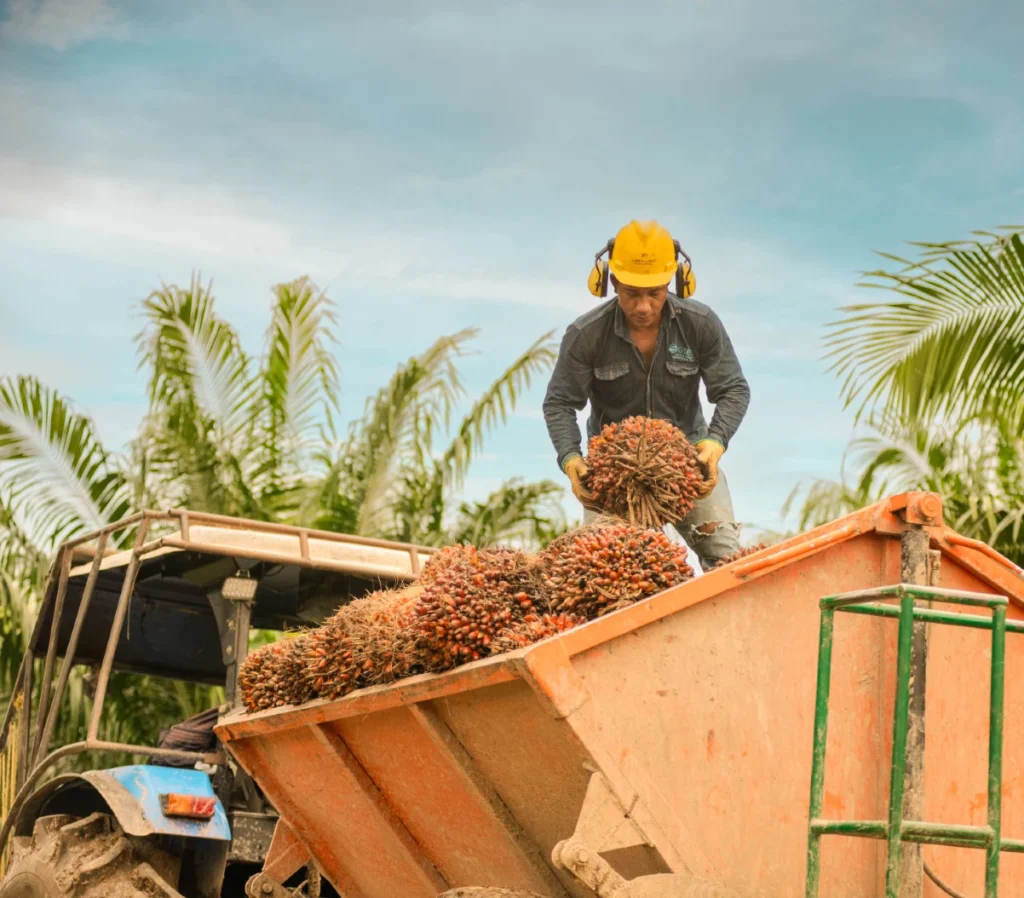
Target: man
x=644, y=352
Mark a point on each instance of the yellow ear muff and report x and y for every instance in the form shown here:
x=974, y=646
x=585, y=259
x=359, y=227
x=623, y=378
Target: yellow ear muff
x=686, y=283
x=597, y=283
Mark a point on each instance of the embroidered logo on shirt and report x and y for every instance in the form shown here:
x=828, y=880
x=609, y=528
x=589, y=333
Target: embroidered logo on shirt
x=680, y=353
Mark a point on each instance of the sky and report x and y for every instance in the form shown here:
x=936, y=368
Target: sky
x=451, y=164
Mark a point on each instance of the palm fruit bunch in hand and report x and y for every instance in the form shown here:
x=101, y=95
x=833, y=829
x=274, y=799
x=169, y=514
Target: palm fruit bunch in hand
x=274, y=675
x=370, y=640
x=469, y=599
x=610, y=564
x=644, y=471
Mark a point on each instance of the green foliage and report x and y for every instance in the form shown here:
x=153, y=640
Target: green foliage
x=55, y=475
x=527, y=515
x=950, y=343
x=298, y=380
x=384, y=479
x=253, y=437
x=977, y=466
x=938, y=368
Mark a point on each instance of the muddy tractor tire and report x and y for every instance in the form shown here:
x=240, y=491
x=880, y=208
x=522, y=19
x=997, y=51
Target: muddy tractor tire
x=89, y=857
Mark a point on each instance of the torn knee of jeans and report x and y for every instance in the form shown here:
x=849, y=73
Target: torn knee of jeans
x=711, y=528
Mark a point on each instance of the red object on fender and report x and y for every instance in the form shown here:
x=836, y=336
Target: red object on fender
x=175, y=804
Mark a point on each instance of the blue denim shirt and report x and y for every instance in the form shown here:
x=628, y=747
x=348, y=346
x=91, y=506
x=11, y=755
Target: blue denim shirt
x=599, y=362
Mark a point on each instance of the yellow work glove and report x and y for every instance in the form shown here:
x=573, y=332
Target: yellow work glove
x=576, y=469
x=708, y=454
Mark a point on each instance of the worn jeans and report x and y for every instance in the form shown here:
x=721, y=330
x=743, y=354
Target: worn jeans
x=710, y=529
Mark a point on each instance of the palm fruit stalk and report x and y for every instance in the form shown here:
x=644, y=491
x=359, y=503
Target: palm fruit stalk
x=608, y=565
x=470, y=599
x=644, y=471
x=274, y=675
x=368, y=641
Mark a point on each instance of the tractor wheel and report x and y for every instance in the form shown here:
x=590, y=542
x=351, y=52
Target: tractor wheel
x=90, y=857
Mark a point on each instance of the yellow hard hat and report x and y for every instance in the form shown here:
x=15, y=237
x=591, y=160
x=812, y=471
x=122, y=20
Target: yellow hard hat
x=642, y=254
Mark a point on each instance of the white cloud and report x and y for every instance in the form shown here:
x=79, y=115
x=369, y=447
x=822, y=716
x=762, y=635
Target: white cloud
x=213, y=221
x=204, y=220
x=59, y=24
x=496, y=287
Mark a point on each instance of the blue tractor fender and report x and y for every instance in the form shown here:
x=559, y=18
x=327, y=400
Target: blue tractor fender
x=136, y=795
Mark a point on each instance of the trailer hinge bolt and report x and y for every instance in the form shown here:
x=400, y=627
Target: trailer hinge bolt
x=267, y=888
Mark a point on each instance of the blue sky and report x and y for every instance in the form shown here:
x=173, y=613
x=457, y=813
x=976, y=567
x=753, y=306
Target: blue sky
x=458, y=163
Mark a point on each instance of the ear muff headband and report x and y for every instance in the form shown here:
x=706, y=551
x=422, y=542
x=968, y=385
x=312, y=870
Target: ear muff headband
x=599, y=274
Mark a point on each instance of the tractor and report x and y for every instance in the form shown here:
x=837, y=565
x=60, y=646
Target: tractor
x=173, y=595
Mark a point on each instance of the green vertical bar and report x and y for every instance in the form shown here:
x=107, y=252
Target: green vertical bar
x=899, y=746
x=995, y=750
x=820, y=741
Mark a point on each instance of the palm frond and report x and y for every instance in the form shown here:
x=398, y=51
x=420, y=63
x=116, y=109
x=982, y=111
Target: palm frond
x=493, y=407
x=399, y=425
x=895, y=457
x=766, y=535
x=976, y=465
x=184, y=464
x=53, y=465
x=325, y=499
x=199, y=430
x=821, y=501
x=19, y=606
x=951, y=339
x=299, y=373
x=20, y=555
x=196, y=360
x=524, y=515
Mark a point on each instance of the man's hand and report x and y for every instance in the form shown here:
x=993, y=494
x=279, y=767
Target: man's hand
x=708, y=454
x=577, y=470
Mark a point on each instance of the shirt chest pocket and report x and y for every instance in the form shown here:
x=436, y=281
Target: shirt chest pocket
x=611, y=382
x=682, y=377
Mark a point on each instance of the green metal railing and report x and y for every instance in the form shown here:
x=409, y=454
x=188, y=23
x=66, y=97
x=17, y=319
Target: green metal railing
x=895, y=831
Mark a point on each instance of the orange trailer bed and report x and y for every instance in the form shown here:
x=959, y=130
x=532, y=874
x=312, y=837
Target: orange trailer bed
x=673, y=736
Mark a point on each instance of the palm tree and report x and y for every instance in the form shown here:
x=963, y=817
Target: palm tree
x=384, y=478
x=228, y=433
x=938, y=372
x=976, y=465
x=950, y=344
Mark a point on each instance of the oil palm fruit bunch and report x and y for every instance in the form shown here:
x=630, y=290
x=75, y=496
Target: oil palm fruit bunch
x=438, y=561
x=533, y=629
x=367, y=641
x=274, y=675
x=608, y=565
x=470, y=599
x=644, y=471
x=742, y=553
